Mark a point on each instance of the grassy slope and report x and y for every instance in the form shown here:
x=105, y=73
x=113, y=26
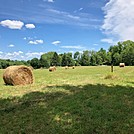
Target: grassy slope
x=73, y=101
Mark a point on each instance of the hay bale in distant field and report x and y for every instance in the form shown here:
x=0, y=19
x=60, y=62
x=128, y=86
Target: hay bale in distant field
x=122, y=65
x=18, y=75
x=66, y=67
x=54, y=67
x=51, y=69
x=73, y=67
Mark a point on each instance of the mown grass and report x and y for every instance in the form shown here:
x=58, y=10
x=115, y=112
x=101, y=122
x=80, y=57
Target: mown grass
x=84, y=100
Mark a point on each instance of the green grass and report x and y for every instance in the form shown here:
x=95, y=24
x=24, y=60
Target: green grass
x=84, y=100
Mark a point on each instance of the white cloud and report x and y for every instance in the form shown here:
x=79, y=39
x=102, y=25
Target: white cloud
x=76, y=11
x=36, y=42
x=73, y=17
x=80, y=9
x=73, y=47
x=56, y=42
x=30, y=26
x=83, y=20
x=11, y=55
x=16, y=53
x=51, y=1
x=11, y=45
x=95, y=44
x=12, y=24
x=1, y=52
x=19, y=55
x=20, y=52
x=119, y=19
x=106, y=40
x=30, y=38
x=34, y=54
x=63, y=15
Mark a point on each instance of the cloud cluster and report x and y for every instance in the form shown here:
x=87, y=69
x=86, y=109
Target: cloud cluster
x=15, y=24
x=19, y=55
x=55, y=16
x=36, y=42
x=106, y=40
x=73, y=47
x=78, y=19
x=33, y=40
x=11, y=45
x=56, y=42
x=119, y=19
x=51, y=1
x=11, y=55
x=12, y=24
x=45, y=13
x=80, y=9
x=30, y=26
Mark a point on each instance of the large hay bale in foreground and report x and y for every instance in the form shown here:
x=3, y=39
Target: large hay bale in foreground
x=31, y=68
x=18, y=75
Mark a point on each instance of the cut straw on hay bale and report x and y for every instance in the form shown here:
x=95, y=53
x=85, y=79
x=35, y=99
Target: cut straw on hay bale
x=51, y=69
x=31, y=68
x=122, y=65
x=18, y=75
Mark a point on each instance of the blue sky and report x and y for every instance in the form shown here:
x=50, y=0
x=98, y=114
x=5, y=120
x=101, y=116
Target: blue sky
x=29, y=28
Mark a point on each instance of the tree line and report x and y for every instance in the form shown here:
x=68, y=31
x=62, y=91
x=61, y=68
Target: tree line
x=123, y=52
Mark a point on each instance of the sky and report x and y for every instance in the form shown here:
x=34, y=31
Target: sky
x=29, y=28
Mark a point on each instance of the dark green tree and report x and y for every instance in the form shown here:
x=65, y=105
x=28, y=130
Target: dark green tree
x=77, y=58
x=46, y=59
x=55, y=61
x=128, y=55
x=64, y=61
x=93, y=58
x=35, y=63
x=103, y=54
x=85, y=58
x=67, y=60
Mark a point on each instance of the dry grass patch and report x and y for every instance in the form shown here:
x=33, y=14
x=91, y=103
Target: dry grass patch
x=111, y=76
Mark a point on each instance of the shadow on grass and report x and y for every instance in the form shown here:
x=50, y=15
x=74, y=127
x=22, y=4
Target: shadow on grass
x=87, y=109
x=130, y=82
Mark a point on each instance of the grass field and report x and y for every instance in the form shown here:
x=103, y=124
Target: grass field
x=84, y=100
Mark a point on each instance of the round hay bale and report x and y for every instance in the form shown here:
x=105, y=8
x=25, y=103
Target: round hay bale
x=73, y=67
x=54, y=68
x=122, y=65
x=51, y=69
x=66, y=67
x=18, y=75
x=31, y=68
